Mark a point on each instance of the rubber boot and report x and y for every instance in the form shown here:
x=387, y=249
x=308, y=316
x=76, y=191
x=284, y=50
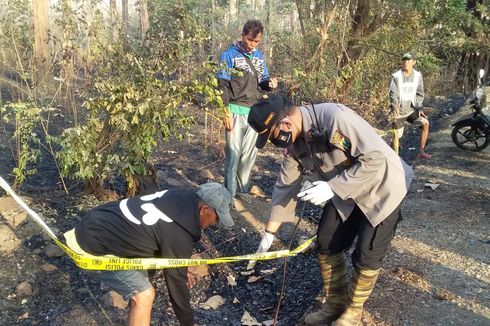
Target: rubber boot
x=363, y=281
x=334, y=274
x=264, y=246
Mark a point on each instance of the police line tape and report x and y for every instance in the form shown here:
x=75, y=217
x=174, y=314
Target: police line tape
x=91, y=262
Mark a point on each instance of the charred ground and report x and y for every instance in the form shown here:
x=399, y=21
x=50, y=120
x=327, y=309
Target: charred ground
x=436, y=272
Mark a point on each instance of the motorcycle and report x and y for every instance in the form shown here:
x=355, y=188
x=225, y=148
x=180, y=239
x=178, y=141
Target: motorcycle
x=472, y=131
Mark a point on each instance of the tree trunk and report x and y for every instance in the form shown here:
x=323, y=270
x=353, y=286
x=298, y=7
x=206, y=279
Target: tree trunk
x=292, y=21
x=40, y=10
x=114, y=18
x=472, y=61
x=144, y=21
x=125, y=20
x=268, y=40
x=232, y=11
x=301, y=18
x=67, y=72
x=259, y=5
x=365, y=21
x=317, y=60
x=359, y=28
x=215, y=43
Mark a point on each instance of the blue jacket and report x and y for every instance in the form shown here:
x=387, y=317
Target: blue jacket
x=239, y=82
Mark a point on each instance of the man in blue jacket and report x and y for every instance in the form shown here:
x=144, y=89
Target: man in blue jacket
x=164, y=224
x=243, y=79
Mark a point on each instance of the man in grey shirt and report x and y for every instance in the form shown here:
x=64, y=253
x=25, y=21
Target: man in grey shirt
x=362, y=183
x=406, y=97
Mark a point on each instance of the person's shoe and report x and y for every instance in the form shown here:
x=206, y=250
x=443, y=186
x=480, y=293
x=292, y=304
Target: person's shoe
x=246, y=198
x=424, y=156
x=257, y=192
x=233, y=205
x=326, y=314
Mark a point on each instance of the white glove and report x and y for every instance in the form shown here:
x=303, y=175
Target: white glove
x=264, y=246
x=318, y=194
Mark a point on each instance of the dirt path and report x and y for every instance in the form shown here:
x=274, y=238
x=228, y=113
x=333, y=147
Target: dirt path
x=436, y=273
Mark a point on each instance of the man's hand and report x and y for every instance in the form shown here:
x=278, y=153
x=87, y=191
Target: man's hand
x=422, y=114
x=394, y=112
x=192, y=276
x=273, y=83
x=318, y=194
x=228, y=122
x=393, y=116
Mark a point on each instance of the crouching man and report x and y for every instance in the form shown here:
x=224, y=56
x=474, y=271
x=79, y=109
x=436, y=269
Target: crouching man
x=164, y=224
x=362, y=185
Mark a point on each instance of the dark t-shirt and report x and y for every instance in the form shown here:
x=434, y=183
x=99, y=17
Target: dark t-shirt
x=164, y=224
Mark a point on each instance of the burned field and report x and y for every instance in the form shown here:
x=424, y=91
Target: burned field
x=437, y=271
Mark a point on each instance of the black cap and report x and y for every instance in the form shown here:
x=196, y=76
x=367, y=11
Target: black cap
x=264, y=115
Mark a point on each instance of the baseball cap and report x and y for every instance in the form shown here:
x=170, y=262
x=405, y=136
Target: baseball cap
x=264, y=115
x=218, y=197
x=408, y=56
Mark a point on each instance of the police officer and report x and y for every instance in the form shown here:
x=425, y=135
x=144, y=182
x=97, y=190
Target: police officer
x=362, y=183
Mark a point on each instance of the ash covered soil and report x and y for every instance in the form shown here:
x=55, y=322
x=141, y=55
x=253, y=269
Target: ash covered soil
x=436, y=272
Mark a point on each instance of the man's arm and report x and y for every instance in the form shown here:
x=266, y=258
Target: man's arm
x=224, y=76
x=287, y=187
x=266, y=83
x=420, y=93
x=394, y=97
x=176, y=280
x=224, y=87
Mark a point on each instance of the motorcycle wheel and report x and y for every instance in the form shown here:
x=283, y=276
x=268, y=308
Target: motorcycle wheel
x=470, y=137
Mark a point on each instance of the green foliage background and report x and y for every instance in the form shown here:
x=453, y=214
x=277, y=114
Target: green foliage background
x=123, y=93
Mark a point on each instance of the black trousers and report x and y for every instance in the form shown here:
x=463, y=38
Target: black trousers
x=335, y=236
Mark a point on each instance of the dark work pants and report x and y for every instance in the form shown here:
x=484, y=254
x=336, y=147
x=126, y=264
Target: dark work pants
x=335, y=236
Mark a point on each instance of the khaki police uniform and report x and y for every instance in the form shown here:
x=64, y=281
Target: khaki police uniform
x=365, y=174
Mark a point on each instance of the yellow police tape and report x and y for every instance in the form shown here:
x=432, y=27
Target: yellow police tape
x=116, y=263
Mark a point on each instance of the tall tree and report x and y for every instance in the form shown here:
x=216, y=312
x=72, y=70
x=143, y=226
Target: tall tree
x=67, y=62
x=268, y=43
x=476, y=57
x=144, y=21
x=367, y=18
x=125, y=18
x=303, y=15
x=114, y=18
x=232, y=12
x=40, y=10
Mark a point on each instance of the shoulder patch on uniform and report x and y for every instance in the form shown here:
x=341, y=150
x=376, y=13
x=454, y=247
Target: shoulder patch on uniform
x=340, y=141
x=269, y=118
